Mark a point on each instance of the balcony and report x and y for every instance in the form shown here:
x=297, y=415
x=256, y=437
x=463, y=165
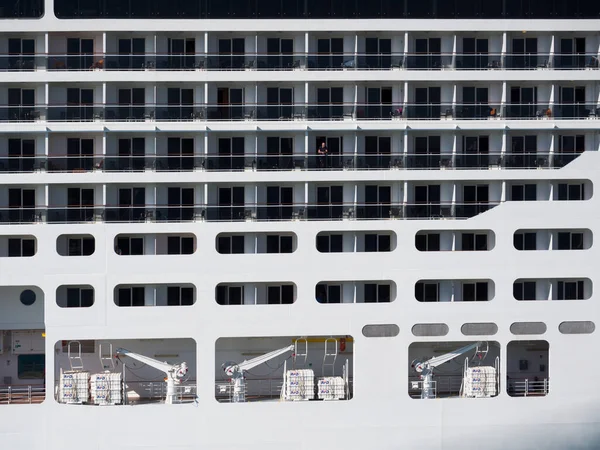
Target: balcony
x=22, y=113
x=73, y=214
x=575, y=61
x=20, y=215
x=562, y=159
x=446, y=210
x=73, y=164
x=576, y=111
x=526, y=160
x=297, y=61
x=429, y=61
x=298, y=111
x=528, y=111
x=116, y=214
x=21, y=164
x=244, y=212
x=478, y=61
x=476, y=111
x=429, y=111
x=254, y=162
x=22, y=62
x=527, y=61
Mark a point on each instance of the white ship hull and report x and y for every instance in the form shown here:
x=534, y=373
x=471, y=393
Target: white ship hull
x=203, y=303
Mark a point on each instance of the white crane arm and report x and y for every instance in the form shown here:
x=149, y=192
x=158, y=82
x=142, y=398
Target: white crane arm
x=439, y=360
x=236, y=370
x=162, y=366
x=247, y=365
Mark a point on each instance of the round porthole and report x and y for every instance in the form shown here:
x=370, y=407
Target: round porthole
x=28, y=297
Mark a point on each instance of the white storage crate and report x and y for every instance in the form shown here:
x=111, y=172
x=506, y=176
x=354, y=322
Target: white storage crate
x=331, y=388
x=300, y=385
x=105, y=388
x=480, y=382
x=74, y=387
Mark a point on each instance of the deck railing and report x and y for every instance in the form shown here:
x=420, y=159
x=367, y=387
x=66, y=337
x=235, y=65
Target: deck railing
x=281, y=162
x=16, y=394
x=297, y=61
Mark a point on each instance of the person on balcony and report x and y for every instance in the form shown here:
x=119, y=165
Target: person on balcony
x=322, y=152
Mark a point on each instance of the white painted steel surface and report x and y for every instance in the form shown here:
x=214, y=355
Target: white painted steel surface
x=381, y=414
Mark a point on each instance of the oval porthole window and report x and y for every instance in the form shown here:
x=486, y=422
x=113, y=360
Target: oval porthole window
x=27, y=297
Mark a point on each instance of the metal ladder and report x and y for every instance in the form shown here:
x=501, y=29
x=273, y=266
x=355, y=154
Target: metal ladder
x=300, y=352
x=106, y=358
x=75, y=360
x=329, y=357
x=481, y=352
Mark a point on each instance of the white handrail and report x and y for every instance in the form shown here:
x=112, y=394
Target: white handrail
x=22, y=394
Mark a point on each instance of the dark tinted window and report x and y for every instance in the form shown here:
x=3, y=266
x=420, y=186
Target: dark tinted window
x=229, y=295
x=79, y=298
x=330, y=243
x=570, y=191
x=481, y=242
x=426, y=292
x=526, y=192
x=385, y=243
x=130, y=246
x=475, y=292
x=286, y=244
x=564, y=241
x=468, y=241
x=173, y=245
x=22, y=8
x=237, y=244
x=315, y=9
x=18, y=247
x=89, y=245
x=14, y=247
x=576, y=242
x=428, y=242
x=570, y=290
x=370, y=243
x=525, y=241
x=187, y=246
x=336, y=243
x=230, y=244
x=377, y=243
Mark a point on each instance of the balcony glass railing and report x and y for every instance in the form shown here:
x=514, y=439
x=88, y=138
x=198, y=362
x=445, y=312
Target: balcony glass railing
x=299, y=61
x=527, y=61
x=70, y=163
x=22, y=113
x=560, y=160
x=429, y=61
x=21, y=215
x=22, y=63
x=254, y=162
x=527, y=111
x=447, y=210
x=429, y=111
x=73, y=214
x=135, y=213
x=576, y=110
x=478, y=61
x=244, y=212
x=477, y=111
x=576, y=61
x=299, y=111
